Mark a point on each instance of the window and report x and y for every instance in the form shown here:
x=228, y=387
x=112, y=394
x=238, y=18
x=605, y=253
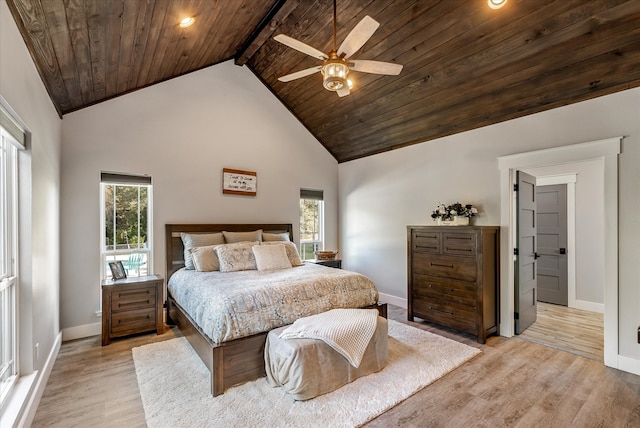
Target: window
x=8, y=251
x=126, y=223
x=311, y=223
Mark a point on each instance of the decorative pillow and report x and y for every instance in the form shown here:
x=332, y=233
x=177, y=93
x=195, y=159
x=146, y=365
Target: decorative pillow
x=190, y=240
x=271, y=257
x=284, y=236
x=235, y=257
x=232, y=237
x=205, y=258
x=292, y=251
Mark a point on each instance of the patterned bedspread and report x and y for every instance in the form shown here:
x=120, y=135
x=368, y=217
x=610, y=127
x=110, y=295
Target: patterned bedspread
x=232, y=305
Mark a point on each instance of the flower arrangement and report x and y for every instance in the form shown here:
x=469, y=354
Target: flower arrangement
x=448, y=212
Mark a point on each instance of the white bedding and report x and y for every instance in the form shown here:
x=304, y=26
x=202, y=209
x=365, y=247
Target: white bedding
x=232, y=305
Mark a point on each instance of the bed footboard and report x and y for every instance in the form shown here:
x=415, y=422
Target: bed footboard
x=229, y=363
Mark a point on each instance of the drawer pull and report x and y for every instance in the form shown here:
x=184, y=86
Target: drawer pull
x=429, y=248
x=440, y=310
x=441, y=265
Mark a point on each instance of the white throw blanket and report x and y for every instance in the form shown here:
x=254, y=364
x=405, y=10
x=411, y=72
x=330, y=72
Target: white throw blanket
x=348, y=331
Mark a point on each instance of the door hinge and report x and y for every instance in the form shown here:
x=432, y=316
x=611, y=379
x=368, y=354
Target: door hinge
x=515, y=187
x=516, y=315
x=515, y=251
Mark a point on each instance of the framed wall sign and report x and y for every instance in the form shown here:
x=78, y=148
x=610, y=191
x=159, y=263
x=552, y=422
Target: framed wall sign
x=238, y=182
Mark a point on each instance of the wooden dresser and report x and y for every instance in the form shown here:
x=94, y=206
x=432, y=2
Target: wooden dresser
x=453, y=277
x=131, y=305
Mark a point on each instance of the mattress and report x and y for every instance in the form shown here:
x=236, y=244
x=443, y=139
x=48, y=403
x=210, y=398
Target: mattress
x=231, y=305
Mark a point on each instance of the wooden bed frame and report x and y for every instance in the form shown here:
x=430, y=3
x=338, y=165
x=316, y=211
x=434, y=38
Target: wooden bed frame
x=238, y=360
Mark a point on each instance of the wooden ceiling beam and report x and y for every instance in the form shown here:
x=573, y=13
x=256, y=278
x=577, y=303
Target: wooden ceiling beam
x=280, y=10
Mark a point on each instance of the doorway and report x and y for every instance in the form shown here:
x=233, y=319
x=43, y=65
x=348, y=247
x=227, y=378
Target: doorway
x=575, y=327
x=607, y=152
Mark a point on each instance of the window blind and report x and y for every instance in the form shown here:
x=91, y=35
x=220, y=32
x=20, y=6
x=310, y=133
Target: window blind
x=316, y=195
x=117, y=178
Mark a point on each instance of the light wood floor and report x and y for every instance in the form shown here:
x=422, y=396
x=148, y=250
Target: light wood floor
x=511, y=383
x=568, y=329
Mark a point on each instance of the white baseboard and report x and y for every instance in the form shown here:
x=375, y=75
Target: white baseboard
x=588, y=306
x=28, y=391
x=34, y=401
x=627, y=364
x=398, y=301
x=81, y=331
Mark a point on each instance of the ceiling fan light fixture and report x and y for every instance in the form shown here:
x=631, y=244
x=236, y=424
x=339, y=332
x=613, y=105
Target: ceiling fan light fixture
x=335, y=72
x=496, y=4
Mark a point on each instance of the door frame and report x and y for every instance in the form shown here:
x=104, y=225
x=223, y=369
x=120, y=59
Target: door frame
x=607, y=150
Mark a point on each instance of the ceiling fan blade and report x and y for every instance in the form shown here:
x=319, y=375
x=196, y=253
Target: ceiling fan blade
x=376, y=67
x=343, y=92
x=299, y=74
x=358, y=36
x=301, y=47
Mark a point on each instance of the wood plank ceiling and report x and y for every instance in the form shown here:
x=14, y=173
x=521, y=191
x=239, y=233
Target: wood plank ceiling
x=465, y=65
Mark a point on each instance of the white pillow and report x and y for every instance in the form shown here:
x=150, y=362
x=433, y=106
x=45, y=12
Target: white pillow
x=205, y=259
x=271, y=257
x=190, y=240
x=292, y=251
x=235, y=257
x=232, y=237
x=284, y=236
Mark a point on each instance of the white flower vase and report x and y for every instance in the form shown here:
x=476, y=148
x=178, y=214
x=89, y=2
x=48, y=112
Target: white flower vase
x=455, y=221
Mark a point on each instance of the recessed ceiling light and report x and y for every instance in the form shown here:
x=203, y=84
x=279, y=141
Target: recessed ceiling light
x=496, y=4
x=187, y=22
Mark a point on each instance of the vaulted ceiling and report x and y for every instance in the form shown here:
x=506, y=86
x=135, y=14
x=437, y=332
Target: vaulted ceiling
x=465, y=65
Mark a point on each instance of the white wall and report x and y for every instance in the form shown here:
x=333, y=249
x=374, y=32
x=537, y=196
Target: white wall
x=380, y=195
x=183, y=132
x=21, y=87
x=589, y=223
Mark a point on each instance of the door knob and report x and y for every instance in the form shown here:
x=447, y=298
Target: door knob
x=563, y=251
x=536, y=256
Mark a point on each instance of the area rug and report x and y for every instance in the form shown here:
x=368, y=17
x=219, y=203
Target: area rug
x=174, y=385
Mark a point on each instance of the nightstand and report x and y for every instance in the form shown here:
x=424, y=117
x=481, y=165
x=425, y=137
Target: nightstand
x=130, y=306
x=336, y=263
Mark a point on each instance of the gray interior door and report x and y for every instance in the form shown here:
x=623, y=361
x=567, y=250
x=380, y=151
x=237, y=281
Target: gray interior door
x=525, y=267
x=551, y=206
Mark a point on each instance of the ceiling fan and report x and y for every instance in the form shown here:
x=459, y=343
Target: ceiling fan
x=338, y=63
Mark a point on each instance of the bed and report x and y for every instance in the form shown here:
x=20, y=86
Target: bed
x=232, y=351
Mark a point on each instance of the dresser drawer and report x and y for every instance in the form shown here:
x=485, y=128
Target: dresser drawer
x=133, y=297
x=460, y=244
x=426, y=242
x=128, y=322
x=447, y=315
x=462, y=268
x=433, y=288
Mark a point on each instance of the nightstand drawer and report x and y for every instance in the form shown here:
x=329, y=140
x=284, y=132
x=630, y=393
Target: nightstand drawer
x=462, y=268
x=134, y=297
x=128, y=322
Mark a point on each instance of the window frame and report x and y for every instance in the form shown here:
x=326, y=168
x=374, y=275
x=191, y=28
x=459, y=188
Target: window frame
x=116, y=179
x=318, y=244
x=9, y=263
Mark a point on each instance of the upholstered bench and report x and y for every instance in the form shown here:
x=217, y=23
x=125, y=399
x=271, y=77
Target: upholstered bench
x=306, y=368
